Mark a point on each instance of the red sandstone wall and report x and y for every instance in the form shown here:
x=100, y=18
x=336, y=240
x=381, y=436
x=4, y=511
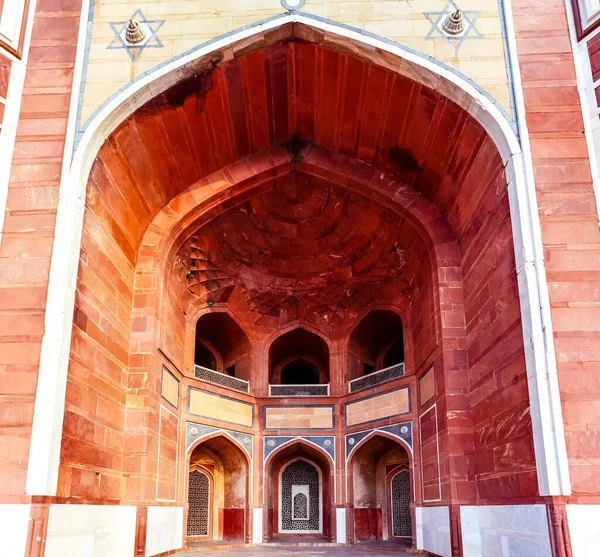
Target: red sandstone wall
x=424, y=317
x=569, y=227
x=175, y=332
x=166, y=489
x=503, y=443
x=96, y=388
x=28, y=228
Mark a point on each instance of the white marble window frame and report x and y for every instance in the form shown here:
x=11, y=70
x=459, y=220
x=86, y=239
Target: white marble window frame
x=11, y=22
x=301, y=490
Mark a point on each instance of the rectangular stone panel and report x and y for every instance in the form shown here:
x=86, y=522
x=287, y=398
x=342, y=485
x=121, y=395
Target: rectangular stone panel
x=299, y=417
x=166, y=479
x=427, y=386
x=433, y=530
x=378, y=407
x=220, y=408
x=164, y=529
x=170, y=387
x=430, y=455
x=101, y=530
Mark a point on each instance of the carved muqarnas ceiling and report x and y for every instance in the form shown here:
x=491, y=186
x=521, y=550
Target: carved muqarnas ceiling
x=301, y=249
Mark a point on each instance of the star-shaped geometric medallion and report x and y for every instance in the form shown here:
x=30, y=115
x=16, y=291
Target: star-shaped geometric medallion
x=149, y=30
x=440, y=24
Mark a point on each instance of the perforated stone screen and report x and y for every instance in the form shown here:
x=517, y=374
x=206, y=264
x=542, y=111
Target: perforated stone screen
x=376, y=378
x=211, y=376
x=300, y=507
x=300, y=473
x=401, y=519
x=199, y=504
x=299, y=390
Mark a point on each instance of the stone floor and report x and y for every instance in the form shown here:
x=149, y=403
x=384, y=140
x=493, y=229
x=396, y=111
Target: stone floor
x=321, y=550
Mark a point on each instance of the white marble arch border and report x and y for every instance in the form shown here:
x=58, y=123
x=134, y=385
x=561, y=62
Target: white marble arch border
x=548, y=429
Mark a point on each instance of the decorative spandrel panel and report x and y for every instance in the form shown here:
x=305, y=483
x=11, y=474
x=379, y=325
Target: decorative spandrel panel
x=473, y=45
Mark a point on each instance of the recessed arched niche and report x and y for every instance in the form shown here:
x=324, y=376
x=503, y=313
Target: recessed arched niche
x=376, y=343
x=221, y=345
x=299, y=357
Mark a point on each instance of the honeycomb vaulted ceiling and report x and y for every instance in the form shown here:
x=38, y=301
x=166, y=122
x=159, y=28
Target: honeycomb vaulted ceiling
x=303, y=250
x=302, y=247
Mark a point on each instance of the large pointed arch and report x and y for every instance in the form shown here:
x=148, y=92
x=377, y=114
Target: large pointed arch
x=550, y=447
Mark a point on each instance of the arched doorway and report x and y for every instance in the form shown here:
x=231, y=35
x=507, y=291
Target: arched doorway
x=199, y=502
x=380, y=491
x=217, y=491
x=299, y=492
x=399, y=499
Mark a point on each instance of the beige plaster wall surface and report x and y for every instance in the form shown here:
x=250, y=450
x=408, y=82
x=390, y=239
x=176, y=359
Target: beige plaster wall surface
x=189, y=23
x=220, y=408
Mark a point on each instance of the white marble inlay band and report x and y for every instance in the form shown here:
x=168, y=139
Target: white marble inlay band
x=433, y=530
x=14, y=525
x=584, y=529
x=257, y=526
x=505, y=530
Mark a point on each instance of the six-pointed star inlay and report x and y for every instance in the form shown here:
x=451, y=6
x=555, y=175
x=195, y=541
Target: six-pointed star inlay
x=455, y=41
x=150, y=27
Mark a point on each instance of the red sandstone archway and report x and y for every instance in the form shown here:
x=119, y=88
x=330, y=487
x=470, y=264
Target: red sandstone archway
x=275, y=465
x=227, y=467
x=444, y=202
x=372, y=465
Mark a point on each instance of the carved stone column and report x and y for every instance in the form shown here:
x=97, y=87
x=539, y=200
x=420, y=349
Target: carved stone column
x=141, y=528
x=559, y=530
x=455, y=531
x=38, y=526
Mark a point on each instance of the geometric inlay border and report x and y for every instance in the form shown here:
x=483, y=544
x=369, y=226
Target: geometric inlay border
x=325, y=442
x=198, y=431
x=403, y=431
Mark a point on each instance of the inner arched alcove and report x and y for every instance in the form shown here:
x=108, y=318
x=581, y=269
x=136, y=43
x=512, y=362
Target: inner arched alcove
x=298, y=357
x=375, y=496
x=222, y=345
x=377, y=342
